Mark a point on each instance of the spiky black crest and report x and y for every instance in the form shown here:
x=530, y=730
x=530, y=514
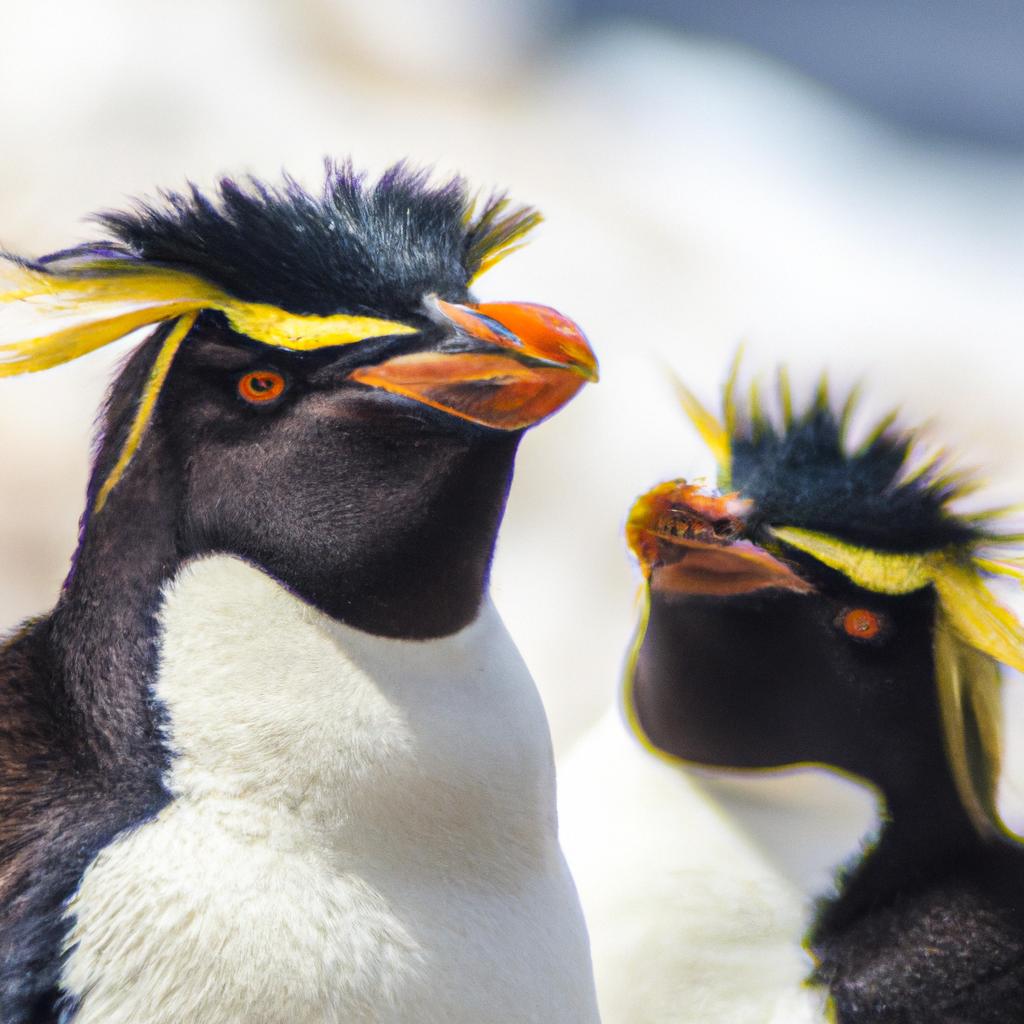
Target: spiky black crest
x=364, y=248
x=800, y=472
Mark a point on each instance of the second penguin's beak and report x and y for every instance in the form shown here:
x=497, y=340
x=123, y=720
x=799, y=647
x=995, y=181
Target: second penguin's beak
x=512, y=364
x=691, y=542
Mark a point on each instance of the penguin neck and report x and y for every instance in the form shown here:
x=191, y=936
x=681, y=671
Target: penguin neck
x=422, y=577
x=102, y=632
x=924, y=826
x=925, y=830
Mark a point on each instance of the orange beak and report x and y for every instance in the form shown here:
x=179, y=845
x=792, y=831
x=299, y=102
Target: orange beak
x=690, y=542
x=739, y=568
x=524, y=362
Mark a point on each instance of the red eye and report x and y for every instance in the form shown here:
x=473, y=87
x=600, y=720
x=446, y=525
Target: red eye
x=862, y=624
x=261, y=386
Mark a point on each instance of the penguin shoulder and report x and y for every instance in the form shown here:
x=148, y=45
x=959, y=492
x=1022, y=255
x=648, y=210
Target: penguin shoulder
x=951, y=950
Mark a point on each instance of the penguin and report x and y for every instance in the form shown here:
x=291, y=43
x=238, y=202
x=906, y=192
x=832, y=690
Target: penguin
x=797, y=817
x=273, y=757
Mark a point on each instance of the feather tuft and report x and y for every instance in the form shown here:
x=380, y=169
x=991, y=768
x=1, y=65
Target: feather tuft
x=496, y=233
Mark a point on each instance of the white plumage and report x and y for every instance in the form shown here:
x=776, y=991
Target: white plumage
x=362, y=830
x=698, y=887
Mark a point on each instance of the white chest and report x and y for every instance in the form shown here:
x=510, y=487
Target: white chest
x=698, y=892
x=363, y=830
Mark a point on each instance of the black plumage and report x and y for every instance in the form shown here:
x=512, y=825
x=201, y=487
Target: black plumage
x=357, y=247
x=802, y=473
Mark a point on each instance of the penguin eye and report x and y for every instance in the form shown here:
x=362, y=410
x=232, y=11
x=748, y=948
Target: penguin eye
x=862, y=624
x=261, y=386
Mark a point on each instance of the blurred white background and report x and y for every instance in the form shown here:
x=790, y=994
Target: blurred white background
x=698, y=192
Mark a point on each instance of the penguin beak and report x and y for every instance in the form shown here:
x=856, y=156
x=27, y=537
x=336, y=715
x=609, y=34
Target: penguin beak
x=689, y=541
x=512, y=364
x=739, y=568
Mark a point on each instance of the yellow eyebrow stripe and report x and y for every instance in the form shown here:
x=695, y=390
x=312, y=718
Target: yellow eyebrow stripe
x=96, y=305
x=883, y=572
x=712, y=432
x=281, y=329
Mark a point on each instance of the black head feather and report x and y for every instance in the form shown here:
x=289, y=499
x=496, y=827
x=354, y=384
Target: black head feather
x=801, y=473
x=369, y=249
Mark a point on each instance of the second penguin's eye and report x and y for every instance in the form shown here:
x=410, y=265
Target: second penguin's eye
x=862, y=624
x=261, y=386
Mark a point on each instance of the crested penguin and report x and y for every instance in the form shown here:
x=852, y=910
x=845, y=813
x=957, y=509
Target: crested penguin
x=273, y=757
x=811, y=742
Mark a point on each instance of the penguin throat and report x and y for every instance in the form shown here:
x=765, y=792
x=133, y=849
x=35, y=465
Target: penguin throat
x=398, y=542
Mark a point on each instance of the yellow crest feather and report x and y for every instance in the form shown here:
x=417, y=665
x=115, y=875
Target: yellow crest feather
x=98, y=302
x=496, y=232
x=147, y=402
x=52, y=316
x=969, y=692
x=712, y=432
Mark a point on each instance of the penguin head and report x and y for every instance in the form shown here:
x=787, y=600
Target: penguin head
x=823, y=605
x=322, y=394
